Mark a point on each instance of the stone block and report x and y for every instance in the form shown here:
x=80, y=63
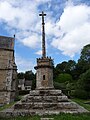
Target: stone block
x=49, y=98
x=49, y=105
x=34, y=92
x=37, y=98
x=25, y=106
x=38, y=106
x=62, y=98
x=55, y=92
x=67, y=105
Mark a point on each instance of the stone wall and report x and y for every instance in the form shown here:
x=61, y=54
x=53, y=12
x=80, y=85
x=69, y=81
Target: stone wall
x=8, y=70
x=7, y=42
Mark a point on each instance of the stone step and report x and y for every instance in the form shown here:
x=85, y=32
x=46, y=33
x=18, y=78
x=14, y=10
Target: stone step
x=45, y=99
x=46, y=106
x=45, y=92
x=23, y=112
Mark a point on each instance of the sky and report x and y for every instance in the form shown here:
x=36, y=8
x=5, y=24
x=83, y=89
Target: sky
x=67, y=29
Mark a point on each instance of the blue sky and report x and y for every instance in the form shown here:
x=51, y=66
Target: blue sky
x=67, y=29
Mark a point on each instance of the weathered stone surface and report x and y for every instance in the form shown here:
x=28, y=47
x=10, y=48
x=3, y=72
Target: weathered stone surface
x=45, y=92
x=48, y=100
x=62, y=98
x=45, y=99
x=8, y=70
x=55, y=92
x=24, y=112
x=44, y=76
x=46, y=105
x=34, y=92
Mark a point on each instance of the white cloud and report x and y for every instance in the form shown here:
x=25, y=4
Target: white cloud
x=52, y=29
x=75, y=25
x=39, y=52
x=42, y=1
x=18, y=17
x=70, y=32
x=24, y=64
x=73, y=17
x=22, y=17
x=32, y=41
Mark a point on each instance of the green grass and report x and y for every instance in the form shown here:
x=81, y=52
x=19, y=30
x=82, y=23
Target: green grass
x=56, y=117
x=22, y=118
x=82, y=103
x=7, y=106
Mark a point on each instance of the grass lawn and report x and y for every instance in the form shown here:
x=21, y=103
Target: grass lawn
x=57, y=117
x=7, y=106
x=82, y=103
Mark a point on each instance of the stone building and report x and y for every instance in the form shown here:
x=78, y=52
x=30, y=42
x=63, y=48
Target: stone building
x=8, y=70
x=28, y=84
x=21, y=84
x=24, y=84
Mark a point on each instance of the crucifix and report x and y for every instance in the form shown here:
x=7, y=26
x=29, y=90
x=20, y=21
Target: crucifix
x=43, y=35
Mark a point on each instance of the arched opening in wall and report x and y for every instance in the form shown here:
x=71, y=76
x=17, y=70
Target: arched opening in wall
x=43, y=77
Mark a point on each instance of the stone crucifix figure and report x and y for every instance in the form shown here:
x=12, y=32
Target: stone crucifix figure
x=43, y=35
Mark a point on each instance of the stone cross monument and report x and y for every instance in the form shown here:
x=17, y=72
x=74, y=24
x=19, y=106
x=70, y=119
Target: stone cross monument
x=45, y=99
x=44, y=75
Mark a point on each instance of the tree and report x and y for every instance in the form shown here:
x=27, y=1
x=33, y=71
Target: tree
x=85, y=54
x=71, y=64
x=82, y=89
x=29, y=75
x=63, y=77
x=84, y=62
x=84, y=81
x=71, y=68
x=20, y=75
x=65, y=67
x=61, y=68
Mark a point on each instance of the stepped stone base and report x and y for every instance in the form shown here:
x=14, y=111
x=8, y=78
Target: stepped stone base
x=43, y=102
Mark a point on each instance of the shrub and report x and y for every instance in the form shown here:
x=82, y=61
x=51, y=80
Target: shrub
x=23, y=92
x=84, y=81
x=63, y=77
x=18, y=98
x=59, y=85
x=82, y=94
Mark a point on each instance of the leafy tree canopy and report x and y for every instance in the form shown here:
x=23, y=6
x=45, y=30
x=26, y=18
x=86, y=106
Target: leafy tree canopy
x=85, y=54
x=84, y=81
x=84, y=62
x=28, y=75
x=63, y=77
x=20, y=75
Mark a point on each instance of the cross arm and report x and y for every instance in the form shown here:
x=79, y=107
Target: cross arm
x=42, y=14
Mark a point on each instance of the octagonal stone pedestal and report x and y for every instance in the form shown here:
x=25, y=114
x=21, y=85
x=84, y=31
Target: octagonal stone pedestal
x=44, y=73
